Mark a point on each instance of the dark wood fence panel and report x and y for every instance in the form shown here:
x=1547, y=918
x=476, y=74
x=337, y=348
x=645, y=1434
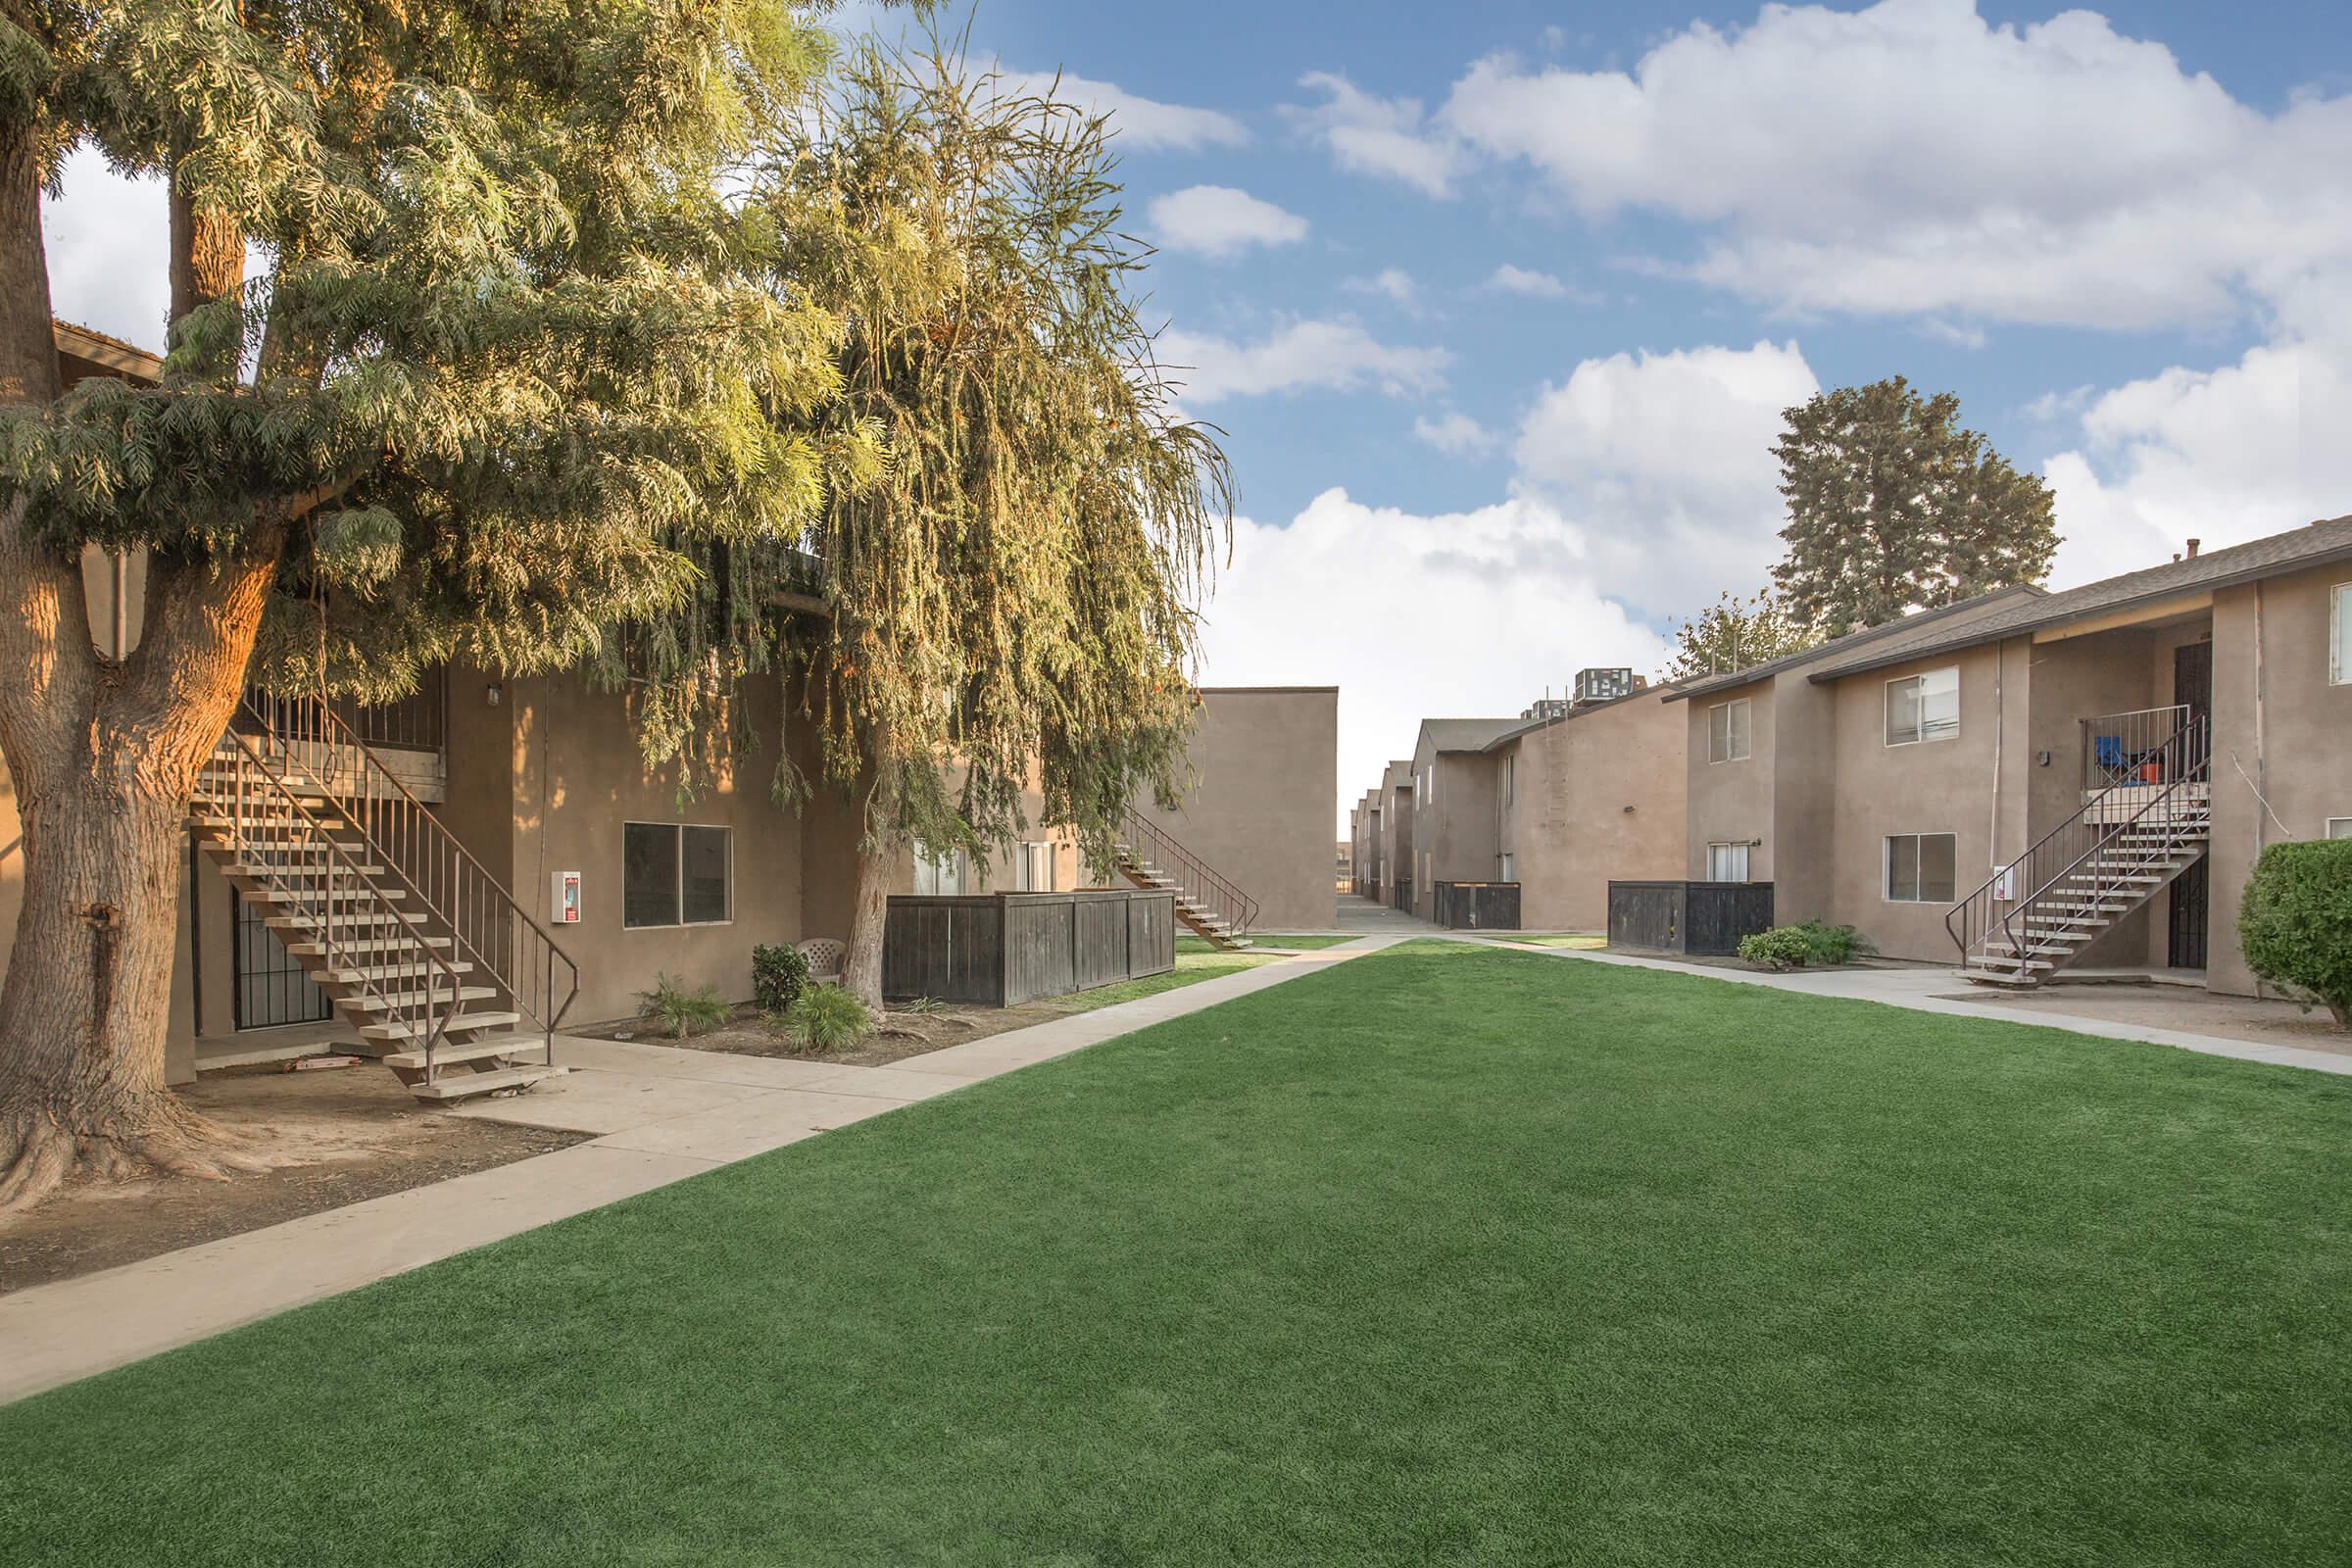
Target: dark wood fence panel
x=1001, y=950
x=1476, y=906
x=1705, y=918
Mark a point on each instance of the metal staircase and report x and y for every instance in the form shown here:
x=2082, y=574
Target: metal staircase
x=2131, y=839
x=422, y=952
x=1209, y=906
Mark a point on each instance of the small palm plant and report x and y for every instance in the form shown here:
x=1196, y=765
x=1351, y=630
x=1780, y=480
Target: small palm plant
x=681, y=1011
x=827, y=1018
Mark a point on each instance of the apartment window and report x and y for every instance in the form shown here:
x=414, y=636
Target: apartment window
x=1727, y=863
x=938, y=873
x=1921, y=867
x=1923, y=707
x=1510, y=782
x=1726, y=732
x=2340, y=634
x=677, y=874
x=2339, y=827
x=1511, y=868
x=1037, y=868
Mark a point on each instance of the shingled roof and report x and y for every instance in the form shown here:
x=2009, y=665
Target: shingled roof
x=1945, y=617
x=2281, y=553
x=1462, y=734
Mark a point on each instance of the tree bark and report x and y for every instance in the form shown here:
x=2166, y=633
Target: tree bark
x=861, y=958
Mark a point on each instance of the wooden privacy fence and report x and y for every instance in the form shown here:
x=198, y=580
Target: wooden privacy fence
x=1690, y=918
x=1476, y=906
x=999, y=950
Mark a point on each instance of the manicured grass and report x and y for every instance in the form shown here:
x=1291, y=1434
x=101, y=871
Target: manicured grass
x=1590, y=941
x=1193, y=966
x=1187, y=943
x=1447, y=1254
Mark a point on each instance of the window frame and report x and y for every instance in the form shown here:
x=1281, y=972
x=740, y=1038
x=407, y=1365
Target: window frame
x=2340, y=634
x=677, y=907
x=926, y=857
x=1042, y=849
x=1746, y=860
x=1887, y=862
x=1747, y=735
x=1921, y=736
x=2339, y=827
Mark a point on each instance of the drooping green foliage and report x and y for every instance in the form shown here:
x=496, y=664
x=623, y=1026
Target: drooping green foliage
x=1007, y=589
x=827, y=1018
x=510, y=350
x=1893, y=506
x=2296, y=921
x=1734, y=633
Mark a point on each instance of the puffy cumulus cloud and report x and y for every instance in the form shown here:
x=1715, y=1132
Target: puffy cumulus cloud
x=1456, y=435
x=1220, y=222
x=1510, y=279
x=1665, y=460
x=1518, y=572
x=1390, y=137
x=107, y=244
x=1911, y=157
x=2222, y=455
x=1391, y=284
x=1329, y=356
x=1137, y=122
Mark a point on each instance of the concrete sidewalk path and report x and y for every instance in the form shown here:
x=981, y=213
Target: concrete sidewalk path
x=1933, y=990
x=662, y=1114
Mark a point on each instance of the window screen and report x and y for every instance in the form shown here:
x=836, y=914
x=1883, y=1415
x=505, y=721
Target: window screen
x=703, y=882
x=648, y=891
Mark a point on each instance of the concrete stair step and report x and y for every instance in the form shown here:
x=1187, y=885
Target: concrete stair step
x=471, y=1085
x=467, y=1024
x=316, y=947
x=423, y=996
x=488, y=1048
x=417, y=967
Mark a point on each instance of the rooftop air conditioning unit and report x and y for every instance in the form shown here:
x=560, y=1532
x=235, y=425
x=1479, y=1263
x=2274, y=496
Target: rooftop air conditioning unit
x=1606, y=685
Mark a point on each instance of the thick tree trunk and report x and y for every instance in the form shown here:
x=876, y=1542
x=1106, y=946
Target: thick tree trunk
x=862, y=961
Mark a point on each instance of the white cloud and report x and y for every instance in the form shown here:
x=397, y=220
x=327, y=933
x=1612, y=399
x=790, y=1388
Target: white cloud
x=1513, y=279
x=1911, y=158
x=1386, y=137
x=1220, y=221
x=1517, y=570
x=1333, y=356
x=1391, y=282
x=108, y=247
x=1139, y=123
x=1666, y=460
x=1456, y=435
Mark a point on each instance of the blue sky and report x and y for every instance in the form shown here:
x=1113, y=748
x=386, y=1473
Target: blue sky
x=1499, y=303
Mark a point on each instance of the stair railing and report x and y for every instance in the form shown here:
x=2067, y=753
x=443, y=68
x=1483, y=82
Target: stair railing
x=1197, y=882
x=293, y=851
x=2181, y=761
x=491, y=930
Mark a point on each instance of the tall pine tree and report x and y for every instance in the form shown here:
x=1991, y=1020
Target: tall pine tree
x=1893, y=506
x=512, y=353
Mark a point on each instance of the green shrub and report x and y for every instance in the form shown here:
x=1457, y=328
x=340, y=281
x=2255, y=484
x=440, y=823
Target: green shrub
x=1784, y=946
x=2296, y=921
x=1830, y=944
x=778, y=976
x=682, y=1011
x=827, y=1018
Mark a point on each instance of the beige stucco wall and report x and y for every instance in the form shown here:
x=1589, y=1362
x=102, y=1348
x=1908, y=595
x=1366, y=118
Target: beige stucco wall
x=1730, y=801
x=1598, y=797
x=2278, y=719
x=1397, y=829
x=1455, y=827
x=1260, y=791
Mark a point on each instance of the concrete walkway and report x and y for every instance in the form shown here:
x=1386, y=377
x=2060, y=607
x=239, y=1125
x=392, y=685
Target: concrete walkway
x=1355, y=914
x=1933, y=990
x=660, y=1114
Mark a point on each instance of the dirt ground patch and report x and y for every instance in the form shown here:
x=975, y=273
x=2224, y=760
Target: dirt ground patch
x=902, y=1035
x=2193, y=1011
x=359, y=1133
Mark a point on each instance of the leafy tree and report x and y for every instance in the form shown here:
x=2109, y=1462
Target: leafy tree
x=1006, y=601
x=1734, y=633
x=1893, y=507
x=510, y=354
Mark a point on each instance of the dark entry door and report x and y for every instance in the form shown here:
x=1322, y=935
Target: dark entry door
x=271, y=987
x=2192, y=678
x=2187, y=946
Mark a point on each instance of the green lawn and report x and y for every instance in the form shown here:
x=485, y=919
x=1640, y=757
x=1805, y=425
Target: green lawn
x=1186, y=943
x=1448, y=1255
x=1587, y=940
x=1194, y=964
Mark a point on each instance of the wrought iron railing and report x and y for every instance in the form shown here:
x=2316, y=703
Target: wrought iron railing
x=1197, y=882
x=2096, y=853
x=2134, y=748
x=328, y=898
x=417, y=722
x=461, y=898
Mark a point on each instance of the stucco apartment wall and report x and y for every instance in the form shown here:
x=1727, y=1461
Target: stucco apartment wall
x=1260, y=790
x=2277, y=717
x=1599, y=796
x=576, y=781
x=1404, y=861
x=1456, y=830
x=1928, y=787
x=1730, y=802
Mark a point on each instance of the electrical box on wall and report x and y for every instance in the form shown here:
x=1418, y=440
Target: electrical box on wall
x=566, y=902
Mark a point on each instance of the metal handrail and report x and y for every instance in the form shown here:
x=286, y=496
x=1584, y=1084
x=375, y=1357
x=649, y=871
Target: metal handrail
x=2186, y=758
x=490, y=928
x=2134, y=738
x=312, y=876
x=1196, y=879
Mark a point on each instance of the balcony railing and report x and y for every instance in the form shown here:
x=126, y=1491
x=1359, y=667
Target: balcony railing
x=2142, y=747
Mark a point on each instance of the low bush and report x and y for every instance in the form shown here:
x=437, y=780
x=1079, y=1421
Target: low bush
x=2296, y=923
x=827, y=1018
x=682, y=1011
x=779, y=975
x=1784, y=946
x=1793, y=947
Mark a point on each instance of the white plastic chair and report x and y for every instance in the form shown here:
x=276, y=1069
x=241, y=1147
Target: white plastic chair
x=824, y=959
